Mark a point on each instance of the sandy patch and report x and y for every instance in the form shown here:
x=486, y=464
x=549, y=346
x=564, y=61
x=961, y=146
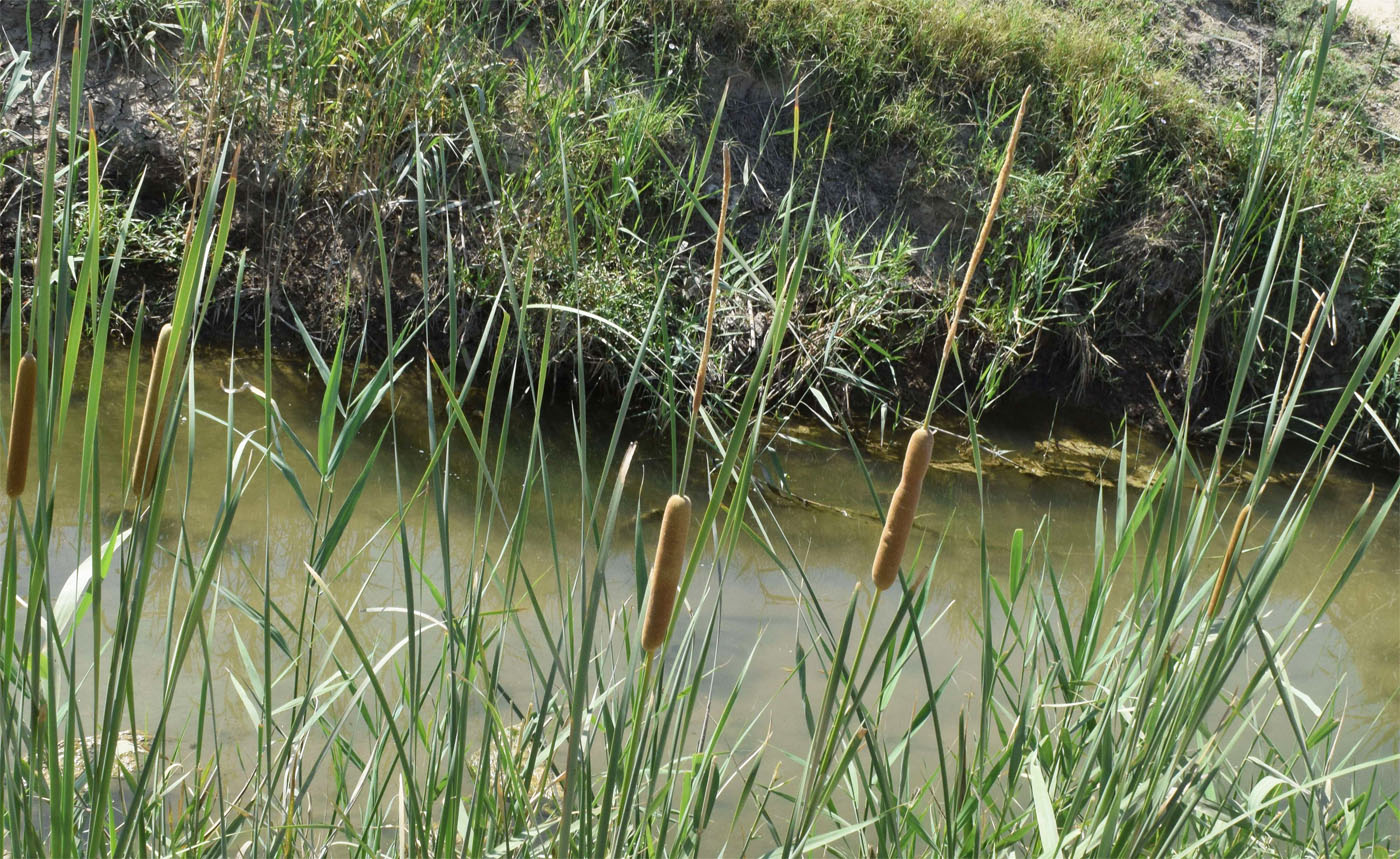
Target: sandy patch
x=1383, y=13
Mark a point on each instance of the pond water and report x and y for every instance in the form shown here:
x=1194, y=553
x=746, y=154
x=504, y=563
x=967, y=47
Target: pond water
x=822, y=509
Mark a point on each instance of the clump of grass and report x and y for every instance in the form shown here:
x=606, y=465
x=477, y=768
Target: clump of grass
x=21, y=426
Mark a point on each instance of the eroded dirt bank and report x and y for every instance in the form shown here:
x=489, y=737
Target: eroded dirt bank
x=1113, y=341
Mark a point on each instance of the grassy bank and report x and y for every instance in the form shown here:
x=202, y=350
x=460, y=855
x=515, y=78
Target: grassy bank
x=518, y=708
x=580, y=143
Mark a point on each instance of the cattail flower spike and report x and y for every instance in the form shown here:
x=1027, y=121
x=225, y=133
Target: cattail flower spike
x=666, y=572
x=147, y=444
x=21, y=427
x=1219, y=590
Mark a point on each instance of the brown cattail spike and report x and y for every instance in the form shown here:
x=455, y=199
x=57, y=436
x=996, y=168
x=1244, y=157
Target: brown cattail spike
x=21, y=427
x=903, y=506
x=1219, y=589
x=142, y=475
x=666, y=571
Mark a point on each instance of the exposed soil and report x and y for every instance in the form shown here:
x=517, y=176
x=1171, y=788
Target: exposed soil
x=1383, y=14
x=871, y=187
x=1383, y=17
x=1231, y=49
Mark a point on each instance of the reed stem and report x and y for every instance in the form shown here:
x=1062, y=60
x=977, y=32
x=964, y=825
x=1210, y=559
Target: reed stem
x=977, y=251
x=698, y=393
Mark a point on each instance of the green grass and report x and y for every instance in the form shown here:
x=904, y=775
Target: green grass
x=512, y=711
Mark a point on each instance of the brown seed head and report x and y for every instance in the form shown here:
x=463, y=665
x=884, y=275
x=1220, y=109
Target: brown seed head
x=903, y=506
x=666, y=571
x=1219, y=588
x=142, y=476
x=21, y=426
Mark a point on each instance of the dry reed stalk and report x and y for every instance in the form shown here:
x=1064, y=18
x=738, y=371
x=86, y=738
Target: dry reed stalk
x=714, y=293
x=1303, y=341
x=209, y=122
x=977, y=250
x=666, y=571
x=903, y=506
x=671, y=544
x=21, y=426
x=1306, y=338
x=1219, y=589
x=1002, y=178
x=142, y=475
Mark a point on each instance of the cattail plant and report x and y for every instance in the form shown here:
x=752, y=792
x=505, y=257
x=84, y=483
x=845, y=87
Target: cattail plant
x=142, y=474
x=1219, y=589
x=666, y=571
x=905, y=501
x=903, y=506
x=21, y=427
x=1306, y=336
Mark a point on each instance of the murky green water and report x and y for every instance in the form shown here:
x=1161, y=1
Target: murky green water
x=1355, y=648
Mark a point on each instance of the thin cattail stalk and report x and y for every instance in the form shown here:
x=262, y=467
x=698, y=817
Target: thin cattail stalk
x=1002, y=178
x=1219, y=589
x=671, y=547
x=1293, y=378
x=672, y=544
x=903, y=506
x=905, y=502
x=142, y=474
x=21, y=426
x=698, y=393
x=714, y=291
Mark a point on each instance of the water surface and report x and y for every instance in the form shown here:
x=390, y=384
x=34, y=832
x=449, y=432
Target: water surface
x=1044, y=476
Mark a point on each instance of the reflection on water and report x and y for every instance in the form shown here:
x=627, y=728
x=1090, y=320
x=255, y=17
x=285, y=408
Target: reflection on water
x=1356, y=646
